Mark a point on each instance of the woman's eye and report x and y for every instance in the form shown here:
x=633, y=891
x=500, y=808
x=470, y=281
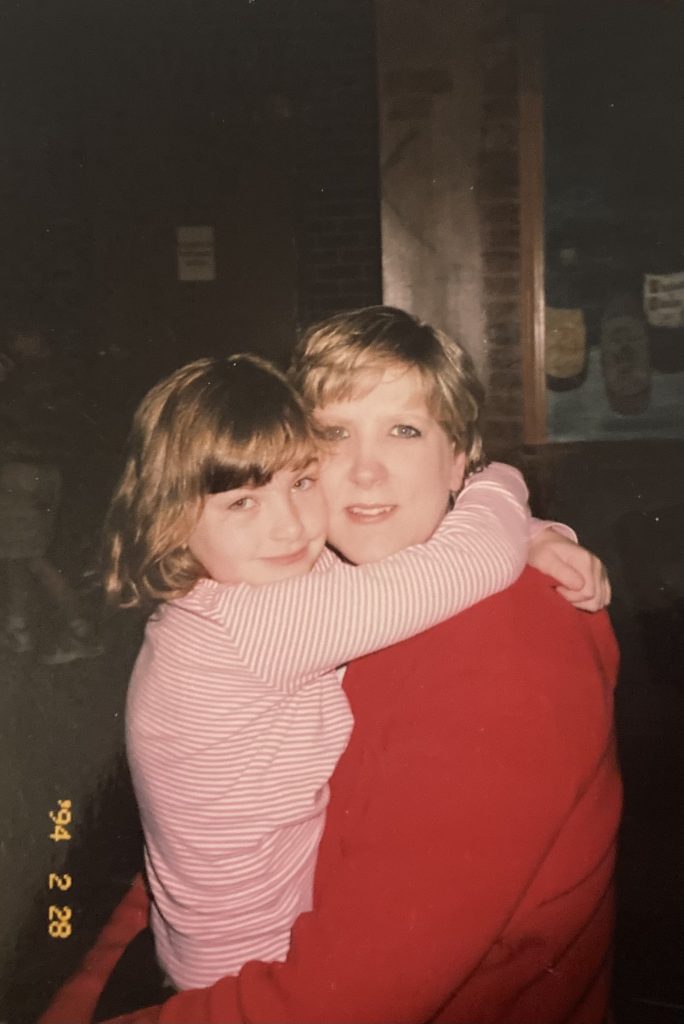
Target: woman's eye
x=334, y=433
x=405, y=430
x=305, y=483
x=240, y=504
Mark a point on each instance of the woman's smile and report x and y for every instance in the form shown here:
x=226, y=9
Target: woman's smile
x=369, y=514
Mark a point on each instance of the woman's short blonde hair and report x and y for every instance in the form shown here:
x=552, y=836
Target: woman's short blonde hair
x=211, y=426
x=342, y=356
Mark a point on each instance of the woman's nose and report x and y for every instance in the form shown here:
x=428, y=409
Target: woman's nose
x=366, y=466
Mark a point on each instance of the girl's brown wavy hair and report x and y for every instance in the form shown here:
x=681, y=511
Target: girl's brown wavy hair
x=211, y=426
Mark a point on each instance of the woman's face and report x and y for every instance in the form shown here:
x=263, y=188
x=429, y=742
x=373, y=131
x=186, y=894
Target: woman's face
x=390, y=470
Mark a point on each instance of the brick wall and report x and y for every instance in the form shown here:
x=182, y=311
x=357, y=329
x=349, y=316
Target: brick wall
x=338, y=218
x=498, y=201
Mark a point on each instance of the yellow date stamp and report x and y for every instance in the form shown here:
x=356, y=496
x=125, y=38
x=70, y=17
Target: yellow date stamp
x=61, y=818
x=59, y=917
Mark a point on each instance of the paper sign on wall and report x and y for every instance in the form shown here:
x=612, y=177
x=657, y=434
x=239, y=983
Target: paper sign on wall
x=195, y=253
x=664, y=299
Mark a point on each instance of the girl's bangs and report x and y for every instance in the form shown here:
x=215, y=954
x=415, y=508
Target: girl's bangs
x=253, y=463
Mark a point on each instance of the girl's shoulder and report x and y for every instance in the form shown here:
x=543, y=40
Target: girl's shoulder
x=207, y=593
x=210, y=600
x=204, y=592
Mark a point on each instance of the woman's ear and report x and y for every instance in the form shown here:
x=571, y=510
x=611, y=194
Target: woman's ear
x=457, y=472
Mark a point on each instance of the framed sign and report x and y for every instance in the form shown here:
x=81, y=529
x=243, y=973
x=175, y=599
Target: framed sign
x=195, y=254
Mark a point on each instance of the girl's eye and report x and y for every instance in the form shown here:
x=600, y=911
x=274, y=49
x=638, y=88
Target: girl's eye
x=334, y=433
x=405, y=430
x=241, y=503
x=305, y=483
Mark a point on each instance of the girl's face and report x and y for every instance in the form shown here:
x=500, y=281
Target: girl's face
x=263, y=534
x=390, y=470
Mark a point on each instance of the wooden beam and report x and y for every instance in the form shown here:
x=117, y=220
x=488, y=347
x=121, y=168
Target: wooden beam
x=531, y=156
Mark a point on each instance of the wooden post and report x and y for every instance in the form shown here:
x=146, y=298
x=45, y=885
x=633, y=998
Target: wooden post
x=532, y=226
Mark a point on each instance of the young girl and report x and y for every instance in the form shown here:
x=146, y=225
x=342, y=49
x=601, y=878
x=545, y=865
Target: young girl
x=235, y=713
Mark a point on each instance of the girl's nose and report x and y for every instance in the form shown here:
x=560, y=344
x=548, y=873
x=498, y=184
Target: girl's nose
x=287, y=523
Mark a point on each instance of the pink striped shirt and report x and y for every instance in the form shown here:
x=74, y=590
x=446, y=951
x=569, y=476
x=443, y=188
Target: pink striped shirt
x=236, y=719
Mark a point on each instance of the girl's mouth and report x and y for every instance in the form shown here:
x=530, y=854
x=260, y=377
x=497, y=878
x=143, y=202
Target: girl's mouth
x=294, y=556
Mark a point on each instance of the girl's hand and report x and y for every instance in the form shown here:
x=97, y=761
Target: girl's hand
x=582, y=577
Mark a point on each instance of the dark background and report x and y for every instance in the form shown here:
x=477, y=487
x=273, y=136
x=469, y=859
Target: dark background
x=123, y=120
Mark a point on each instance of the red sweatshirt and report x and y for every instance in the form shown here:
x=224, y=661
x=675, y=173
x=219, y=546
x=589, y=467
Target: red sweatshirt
x=465, y=873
